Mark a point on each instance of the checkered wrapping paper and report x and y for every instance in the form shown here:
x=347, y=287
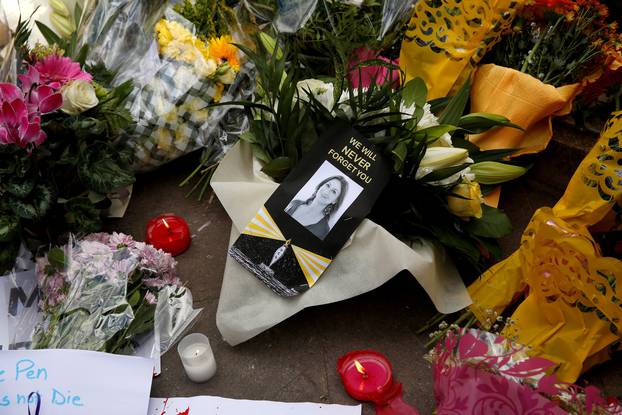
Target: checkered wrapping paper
x=170, y=113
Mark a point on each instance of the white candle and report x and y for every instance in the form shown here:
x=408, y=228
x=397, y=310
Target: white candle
x=197, y=357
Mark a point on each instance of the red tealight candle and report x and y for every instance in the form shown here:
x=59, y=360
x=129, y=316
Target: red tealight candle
x=367, y=376
x=169, y=233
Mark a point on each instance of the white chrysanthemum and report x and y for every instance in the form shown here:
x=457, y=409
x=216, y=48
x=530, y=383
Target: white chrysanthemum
x=428, y=120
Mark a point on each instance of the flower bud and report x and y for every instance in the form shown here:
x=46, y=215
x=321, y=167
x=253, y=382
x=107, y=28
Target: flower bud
x=63, y=25
x=492, y=172
x=270, y=44
x=78, y=96
x=59, y=7
x=468, y=204
x=441, y=157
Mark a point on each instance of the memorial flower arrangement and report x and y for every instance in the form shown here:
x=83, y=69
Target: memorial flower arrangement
x=58, y=155
x=553, y=51
x=436, y=187
x=181, y=61
x=481, y=372
x=103, y=292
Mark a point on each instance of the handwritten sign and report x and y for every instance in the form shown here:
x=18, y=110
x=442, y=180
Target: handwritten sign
x=73, y=382
x=202, y=405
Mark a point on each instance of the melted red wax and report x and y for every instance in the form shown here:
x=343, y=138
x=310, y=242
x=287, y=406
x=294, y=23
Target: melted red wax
x=186, y=412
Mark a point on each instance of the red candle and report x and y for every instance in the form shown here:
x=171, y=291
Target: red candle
x=366, y=375
x=169, y=233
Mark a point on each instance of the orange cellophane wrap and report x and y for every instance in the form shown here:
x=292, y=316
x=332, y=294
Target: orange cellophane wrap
x=572, y=311
x=446, y=39
x=525, y=101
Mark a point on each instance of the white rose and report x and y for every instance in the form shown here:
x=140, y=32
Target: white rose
x=322, y=91
x=78, y=96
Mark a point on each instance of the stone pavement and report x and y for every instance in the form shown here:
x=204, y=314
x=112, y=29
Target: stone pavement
x=296, y=360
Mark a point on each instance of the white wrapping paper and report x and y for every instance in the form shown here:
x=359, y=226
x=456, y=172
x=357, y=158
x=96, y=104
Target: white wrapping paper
x=372, y=257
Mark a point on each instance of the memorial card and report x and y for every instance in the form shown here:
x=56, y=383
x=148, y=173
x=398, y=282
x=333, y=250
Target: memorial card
x=294, y=237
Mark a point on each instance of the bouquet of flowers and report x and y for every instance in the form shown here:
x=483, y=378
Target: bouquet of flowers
x=107, y=292
x=562, y=284
x=480, y=372
x=327, y=37
x=59, y=160
x=540, y=65
x=182, y=60
x=432, y=160
x=434, y=193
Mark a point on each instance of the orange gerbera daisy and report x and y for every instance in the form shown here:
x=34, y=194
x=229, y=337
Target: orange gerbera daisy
x=220, y=48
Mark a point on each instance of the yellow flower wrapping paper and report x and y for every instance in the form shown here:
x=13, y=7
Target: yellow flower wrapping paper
x=572, y=312
x=446, y=39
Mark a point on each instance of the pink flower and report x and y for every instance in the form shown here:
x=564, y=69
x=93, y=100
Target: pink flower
x=150, y=298
x=119, y=240
x=368, y=75
x=17, y=126
x=20, y=114
x=53, y=71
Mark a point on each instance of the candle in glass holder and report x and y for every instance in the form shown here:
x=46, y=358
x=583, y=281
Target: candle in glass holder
x=197, y=357
x=169, y=233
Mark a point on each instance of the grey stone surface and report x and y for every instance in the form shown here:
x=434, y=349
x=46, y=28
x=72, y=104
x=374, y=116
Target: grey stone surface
x=296, y=360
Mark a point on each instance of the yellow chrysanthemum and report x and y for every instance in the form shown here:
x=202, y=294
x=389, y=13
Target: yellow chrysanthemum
x=222, y=49
x=177, y=42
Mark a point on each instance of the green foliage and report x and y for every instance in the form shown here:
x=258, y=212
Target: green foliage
x=557, y=51
x=210, y=17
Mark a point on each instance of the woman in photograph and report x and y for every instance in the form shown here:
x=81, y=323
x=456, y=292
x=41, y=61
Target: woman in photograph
x=315, y=212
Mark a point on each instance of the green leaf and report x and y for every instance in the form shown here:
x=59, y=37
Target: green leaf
x=82, y=216
x=248, y=136
x=480, y=122
x=20, y=187
x=77, y=14
x=49, y=35
x=102, y=173
x=431, y=134
x=493, y=224
x=56, y=258
x=415, y=92
x=400, y=152
x=456, y=106
x=278, y=168
x=9, y=227
x=36, y=206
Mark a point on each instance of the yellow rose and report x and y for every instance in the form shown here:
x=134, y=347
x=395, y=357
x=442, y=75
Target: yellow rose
x=78, y=96
x=469, y=204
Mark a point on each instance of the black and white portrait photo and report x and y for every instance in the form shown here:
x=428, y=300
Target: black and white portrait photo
x=323, y=200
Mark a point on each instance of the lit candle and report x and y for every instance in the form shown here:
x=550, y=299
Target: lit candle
x=169, y=233
x=197, y=357
x=367, y=376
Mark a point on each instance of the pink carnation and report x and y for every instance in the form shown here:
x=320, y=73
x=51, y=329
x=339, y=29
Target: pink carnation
x=368, y=75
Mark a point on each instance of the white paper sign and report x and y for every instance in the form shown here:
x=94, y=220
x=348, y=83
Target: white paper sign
x=212, y=405
x=73, y=382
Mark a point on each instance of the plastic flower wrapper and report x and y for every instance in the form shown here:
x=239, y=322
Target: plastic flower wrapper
x=446, y=39
x=328, y=37
x=179, y=67
x=478, y=372
x=107, y=292
x=565, y=277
